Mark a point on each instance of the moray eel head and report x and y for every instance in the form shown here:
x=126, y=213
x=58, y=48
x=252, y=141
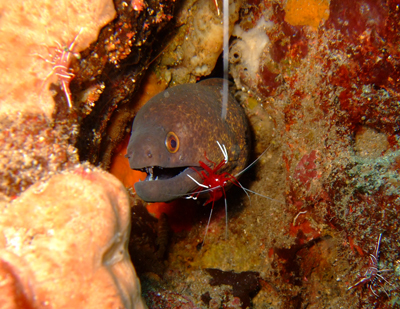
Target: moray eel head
x=167, y=172
x=174, y=130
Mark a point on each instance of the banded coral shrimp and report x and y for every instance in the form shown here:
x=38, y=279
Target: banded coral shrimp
x=214, y=183
x=373, y=273
x=60, y=61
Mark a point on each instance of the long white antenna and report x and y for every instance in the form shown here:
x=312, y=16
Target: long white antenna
x=224, y=152
x=225, y=54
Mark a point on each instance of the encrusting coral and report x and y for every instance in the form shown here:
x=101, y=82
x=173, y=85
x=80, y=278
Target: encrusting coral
x=63, y=228
x=63, y=244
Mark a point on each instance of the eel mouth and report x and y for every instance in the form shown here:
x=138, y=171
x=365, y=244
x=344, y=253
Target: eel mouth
x=155, y=173
x=166, y=184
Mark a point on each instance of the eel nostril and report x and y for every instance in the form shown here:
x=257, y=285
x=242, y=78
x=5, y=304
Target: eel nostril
x=149, y=155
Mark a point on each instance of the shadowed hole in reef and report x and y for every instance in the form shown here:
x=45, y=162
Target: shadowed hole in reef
x=108, y=80
x=206, y=298
x=245, y=285
x=291, y=271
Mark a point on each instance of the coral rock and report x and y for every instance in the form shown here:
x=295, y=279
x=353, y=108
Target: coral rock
x=31, y=31
x=63, y=244
x=307, y=13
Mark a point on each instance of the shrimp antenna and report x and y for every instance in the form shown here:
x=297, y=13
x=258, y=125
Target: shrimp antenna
x=226, y=216
x=226, y=219
x=208, y=224
x=254, y=162
x=224, y=152
x=197, y=183
x=225, y=59
x=259, y=194
x=206, y=189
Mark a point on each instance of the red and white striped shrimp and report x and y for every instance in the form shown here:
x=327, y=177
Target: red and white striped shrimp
x=373, y=272
x=214, y=183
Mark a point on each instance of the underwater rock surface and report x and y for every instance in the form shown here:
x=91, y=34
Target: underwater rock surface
x=63, y=244
x=319, y=81
x=326, y=74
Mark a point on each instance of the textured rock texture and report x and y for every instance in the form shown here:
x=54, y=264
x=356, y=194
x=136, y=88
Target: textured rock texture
x=31, y=31
x=63, y=244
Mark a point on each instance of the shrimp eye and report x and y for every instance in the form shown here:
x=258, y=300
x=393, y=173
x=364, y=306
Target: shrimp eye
x=172, y=142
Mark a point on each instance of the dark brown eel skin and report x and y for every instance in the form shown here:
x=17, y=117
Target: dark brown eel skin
x=180, y=127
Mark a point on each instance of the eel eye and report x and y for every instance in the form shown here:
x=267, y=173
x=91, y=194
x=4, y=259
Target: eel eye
x=172, y=142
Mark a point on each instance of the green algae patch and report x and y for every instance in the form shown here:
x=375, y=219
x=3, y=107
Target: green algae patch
x=225, y=256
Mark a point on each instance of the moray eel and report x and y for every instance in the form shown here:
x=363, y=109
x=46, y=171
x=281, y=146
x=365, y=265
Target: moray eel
x=178, y=128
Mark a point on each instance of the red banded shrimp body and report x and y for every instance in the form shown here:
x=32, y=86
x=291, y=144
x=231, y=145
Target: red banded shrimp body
x=214, y=183
x=61, y=61
x=373, y=272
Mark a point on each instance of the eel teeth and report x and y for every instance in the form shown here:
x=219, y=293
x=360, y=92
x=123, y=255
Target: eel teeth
x=150, y=171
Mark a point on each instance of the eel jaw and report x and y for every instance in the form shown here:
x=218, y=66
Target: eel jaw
x=159, y=173
x=166, y=184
